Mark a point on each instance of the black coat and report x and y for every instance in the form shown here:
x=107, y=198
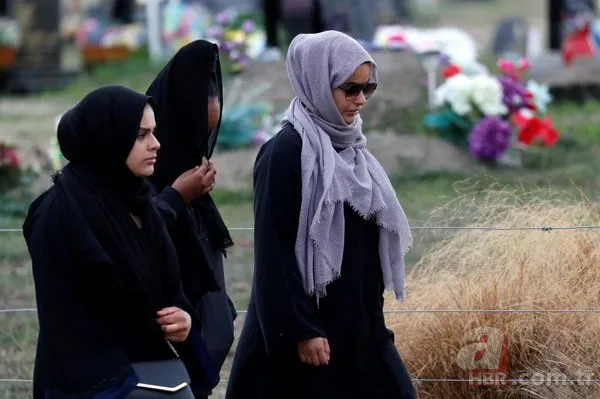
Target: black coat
x=364, y=362
x=99, y=278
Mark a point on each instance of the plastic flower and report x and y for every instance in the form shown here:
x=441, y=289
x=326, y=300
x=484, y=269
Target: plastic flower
x=456, y=92
x=248, y=26
x=515, y=96
x=541, y=95
x=8, y=157
x=489, y=138
x=488, y=95
x=532, y=128
x=450, y=71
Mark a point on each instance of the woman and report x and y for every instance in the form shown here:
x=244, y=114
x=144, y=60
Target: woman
x=329, y=235
x=110, y=305
x=188, y=94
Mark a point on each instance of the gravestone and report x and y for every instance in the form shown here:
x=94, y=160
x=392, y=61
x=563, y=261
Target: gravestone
x=511, y=37
x=38, y=65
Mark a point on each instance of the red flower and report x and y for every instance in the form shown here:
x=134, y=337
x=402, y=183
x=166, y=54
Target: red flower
x=534, y=128
x=8, y=156
x=450, y=71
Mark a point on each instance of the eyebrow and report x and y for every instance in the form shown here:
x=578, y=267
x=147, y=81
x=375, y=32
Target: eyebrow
x=351, y=82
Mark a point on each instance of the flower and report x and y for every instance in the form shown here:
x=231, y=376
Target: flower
x=490, y=138
x=8, y=157
x=532, y=128
x=456, y=92
x=224, y=17
x=541, y=95
x=488, y=95
x=450, y=71
x=248, y=26
x=515, y=96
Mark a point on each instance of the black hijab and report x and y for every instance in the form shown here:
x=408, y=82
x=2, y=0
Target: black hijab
x=181, y=92
x=83, y=242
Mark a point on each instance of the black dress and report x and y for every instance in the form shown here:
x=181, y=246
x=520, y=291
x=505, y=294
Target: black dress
x=364, y=362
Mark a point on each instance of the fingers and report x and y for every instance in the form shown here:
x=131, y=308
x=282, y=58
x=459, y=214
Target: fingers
x=315, y=353
x=167, y=311
x=174, y=328
x=327, y=350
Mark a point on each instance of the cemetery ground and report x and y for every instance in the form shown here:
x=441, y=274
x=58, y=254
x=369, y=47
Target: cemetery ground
x=571, y=169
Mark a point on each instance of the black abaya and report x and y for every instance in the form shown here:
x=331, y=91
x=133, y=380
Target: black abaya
x=181, y=92
x=364, y=362
x=99, y=278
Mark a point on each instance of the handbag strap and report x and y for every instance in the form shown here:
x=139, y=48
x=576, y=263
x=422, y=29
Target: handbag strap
x=172, y=347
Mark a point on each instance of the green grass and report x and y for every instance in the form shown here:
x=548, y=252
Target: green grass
x=571, y=166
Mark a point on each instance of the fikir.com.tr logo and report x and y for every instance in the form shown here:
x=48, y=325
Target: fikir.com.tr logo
x=484, y=355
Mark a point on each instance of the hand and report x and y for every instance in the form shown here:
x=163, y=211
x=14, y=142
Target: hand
x=196, y=182
x=175, y=323
x=314, y=351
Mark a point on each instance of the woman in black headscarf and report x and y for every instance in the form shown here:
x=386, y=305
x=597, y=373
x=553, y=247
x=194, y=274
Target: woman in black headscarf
x=188, y=94
x=108, y=289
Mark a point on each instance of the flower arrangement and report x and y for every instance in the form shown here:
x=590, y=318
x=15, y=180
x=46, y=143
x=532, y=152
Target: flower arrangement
x=238, y=37
x=97, y=32
x=10, y=167
x=488, y=114
x=183, y=23
x=246, y=121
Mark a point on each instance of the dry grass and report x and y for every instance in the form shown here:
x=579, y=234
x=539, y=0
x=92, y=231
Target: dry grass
x=507, y=270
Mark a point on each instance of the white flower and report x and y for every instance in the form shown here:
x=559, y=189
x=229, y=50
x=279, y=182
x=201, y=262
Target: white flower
x=487, y=95
x=541, y=95
x=455, y=91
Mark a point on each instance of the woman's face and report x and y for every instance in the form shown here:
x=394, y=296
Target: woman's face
x=142, y=156
x=214, y=111
x=352, y=95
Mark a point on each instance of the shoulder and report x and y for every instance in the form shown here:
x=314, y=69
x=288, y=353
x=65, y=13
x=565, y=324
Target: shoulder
x=45, y=216
x=283, y=148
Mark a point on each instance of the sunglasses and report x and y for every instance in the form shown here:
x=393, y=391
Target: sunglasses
x=354, y=89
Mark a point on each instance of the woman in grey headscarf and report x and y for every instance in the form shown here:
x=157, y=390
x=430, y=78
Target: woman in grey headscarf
x=330, y=235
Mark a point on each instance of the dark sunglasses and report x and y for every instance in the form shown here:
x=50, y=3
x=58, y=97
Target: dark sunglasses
x=353, y=89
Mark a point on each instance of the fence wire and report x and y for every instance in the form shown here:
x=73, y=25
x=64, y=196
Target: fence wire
x=474, y=380
x=482, y=228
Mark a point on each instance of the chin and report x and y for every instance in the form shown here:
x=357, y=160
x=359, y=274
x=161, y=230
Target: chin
x=145, y=172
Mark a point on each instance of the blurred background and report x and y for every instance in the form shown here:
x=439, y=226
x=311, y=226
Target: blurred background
x=474, y=95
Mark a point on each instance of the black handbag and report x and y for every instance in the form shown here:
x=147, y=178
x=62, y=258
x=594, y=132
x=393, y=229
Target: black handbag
x=162, y=379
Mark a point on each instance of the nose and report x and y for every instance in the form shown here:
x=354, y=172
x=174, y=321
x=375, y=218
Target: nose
x=154, y=143
x=360, y=99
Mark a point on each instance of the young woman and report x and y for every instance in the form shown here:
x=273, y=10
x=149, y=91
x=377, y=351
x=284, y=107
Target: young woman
x=188, y=94
x=330, y=234
x=111, y=310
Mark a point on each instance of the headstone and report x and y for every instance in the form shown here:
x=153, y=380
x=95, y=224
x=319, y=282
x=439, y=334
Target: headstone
x=38, y=65
x=511, y=37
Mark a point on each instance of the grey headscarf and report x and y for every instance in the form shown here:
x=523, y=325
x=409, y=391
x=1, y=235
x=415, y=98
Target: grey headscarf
x=317, y=63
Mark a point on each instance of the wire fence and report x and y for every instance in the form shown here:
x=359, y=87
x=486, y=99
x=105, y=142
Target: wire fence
x=546, y=229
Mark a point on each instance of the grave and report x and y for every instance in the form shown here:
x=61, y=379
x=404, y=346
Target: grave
x=39, y=61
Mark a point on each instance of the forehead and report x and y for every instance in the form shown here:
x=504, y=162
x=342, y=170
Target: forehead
x=362, y=74
x=148, y=120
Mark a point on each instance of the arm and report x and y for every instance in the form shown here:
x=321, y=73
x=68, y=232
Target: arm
x=75, y=353
x=286, y=314
x=169, y=204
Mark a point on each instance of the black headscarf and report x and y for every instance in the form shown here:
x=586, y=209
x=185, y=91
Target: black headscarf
x=181, y=92
x=99, y=279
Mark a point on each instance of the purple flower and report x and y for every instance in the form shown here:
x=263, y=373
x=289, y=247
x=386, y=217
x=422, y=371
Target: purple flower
x=248, y=26
x=489, y=138
x=223, y=17
x=514, y=94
